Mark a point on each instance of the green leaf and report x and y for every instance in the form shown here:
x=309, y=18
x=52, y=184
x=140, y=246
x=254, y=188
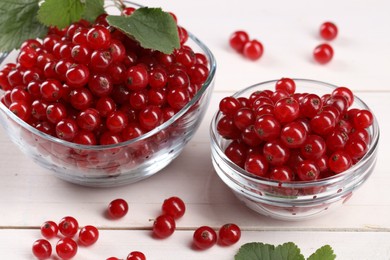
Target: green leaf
x=60, y=13
x=151, y=27
x=260, y=251
x=323, y=253
x=288, y=251
x=18, y=22
x=255, y=251
x=93, y=8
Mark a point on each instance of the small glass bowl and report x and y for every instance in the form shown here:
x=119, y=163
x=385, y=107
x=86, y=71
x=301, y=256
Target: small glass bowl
x=292, y=200
x=119, y=164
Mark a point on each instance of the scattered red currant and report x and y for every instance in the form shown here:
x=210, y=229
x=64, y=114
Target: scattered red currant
x=229, y=234
x=328, y=31
x=174, y=207
x=68, y=226
x=323, y=53
x=204, y=237
x=117, y=208
x=88, y=235
x=164, y=226
x=49, y=229
x=238, y=39
x=253, y=50
x=136, y=255
x=42, y=249
x=66, y=248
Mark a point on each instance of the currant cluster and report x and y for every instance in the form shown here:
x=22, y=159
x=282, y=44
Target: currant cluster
x=251, y=49
x=66, y=246
x=205, y=237
x=287, y=136
x=91, y=84
x=323, y=53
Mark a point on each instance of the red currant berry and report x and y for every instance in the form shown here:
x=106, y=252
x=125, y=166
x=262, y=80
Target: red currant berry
x=117, y=208
x=243, y=118
x=81, y=98
x=286, y=110
x=42, y=249
x=51, y=90
x=267, y=127
x=363, y=119
x=100, y=60
x=55, y=113
x=314, y=147
x=164, y=226
x=227, y=129
x=177, y=98
x=204, y=237
x=49, y=229
x=99, y=37
x=339, y=161
x=293, y=135
x=356, y=148
x=276, y=152
x=88, y=235
x=253, y=50
x=137, y=77
x=323, y=53
x=66, y=248
x=310, y=105
x=229, y=106
x=328, y=31
x=68, y=226
x=344, y=92
x=66, y=129
x=105, y=106
x=323, y=123
x=229, y=234
x=100, y=85
x=286, y=84
x=237, y=152
x=174, y=207
x=150, y=117
x=136, y=255
x=307, y=171
x=281, y=173
x=238, y=39
x=256, y=164
x=77, y=75
x=21, y=110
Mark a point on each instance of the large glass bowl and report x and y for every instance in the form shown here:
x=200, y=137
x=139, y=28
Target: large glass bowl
x=118, y=164
x=292, y=200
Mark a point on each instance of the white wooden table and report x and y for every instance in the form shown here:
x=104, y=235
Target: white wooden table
x=30, y=195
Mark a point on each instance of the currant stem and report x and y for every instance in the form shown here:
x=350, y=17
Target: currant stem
x=120, y=5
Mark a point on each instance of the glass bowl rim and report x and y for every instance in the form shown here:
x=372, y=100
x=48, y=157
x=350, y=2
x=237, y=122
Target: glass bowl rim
x=166, y=124
x=293, y=184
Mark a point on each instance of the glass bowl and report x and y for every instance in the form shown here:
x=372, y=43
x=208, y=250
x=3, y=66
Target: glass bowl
x=294, y=200
x=118, y=164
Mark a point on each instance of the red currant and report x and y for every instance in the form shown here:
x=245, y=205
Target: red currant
x=238, y=39
x=136, y=255
x=42, y=249
x=49, y=229
x=164, y=226
x=174, y=207
x=68, y=226
x=323, y=53
x=229, y=234
x=328, y=31
x=88, y=235
x=66, y=248
x=117, y=208
x=204, y=237
x=253, y=50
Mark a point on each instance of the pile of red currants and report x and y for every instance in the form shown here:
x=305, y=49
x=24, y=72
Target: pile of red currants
x=91, y=84
x=288, y=136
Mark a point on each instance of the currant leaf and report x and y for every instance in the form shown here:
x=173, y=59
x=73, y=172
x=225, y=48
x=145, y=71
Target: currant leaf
x=18, y=22
x=93, y=8
x=60, y=13
x=151, y=27
x=323, y=253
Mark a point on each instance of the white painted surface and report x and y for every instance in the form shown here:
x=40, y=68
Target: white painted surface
x=359, y=230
